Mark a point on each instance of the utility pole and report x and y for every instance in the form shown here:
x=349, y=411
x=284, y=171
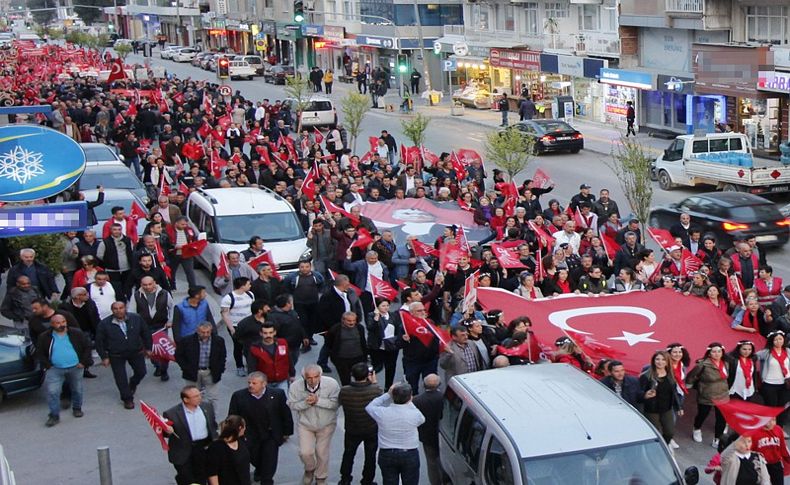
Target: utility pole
x=425, y=70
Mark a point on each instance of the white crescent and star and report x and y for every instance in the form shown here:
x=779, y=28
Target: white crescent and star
x=750, y=421
x=560, y=320
x=116, y=68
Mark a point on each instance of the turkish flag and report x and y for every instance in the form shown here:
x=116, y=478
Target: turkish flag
x=336, y=209
x=204, y=130
x=470, y=291
x=382, y=289
x=610, y=245
x=179, y=164
x=506, y=258
x=460, y=239
x=593, y=348
x=224, y=121
x=163, y=349
x=116, y=70
x=543, y=235
x=119, y=120
x=164, y=187
x=318, y=136
x=541, y=180
x=157, y=423
x=663, y=237
x=411, y=155
x=635, y=323
x=137, y=212
x=264, y=257
x=735, y=289
x=222, y=268
x=219, y=136
x=190, y=250
x=363, y=239
x=354, y=287
x=308, y=186
x=747, y=417
x=458, y=166
x=132, y=109
x=424, y=330
x=183, y=189
x=423, y=250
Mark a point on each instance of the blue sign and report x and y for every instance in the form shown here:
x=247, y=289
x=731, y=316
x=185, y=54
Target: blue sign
x=632, y=79
x=415, y=43
x=312, y=30
x=450, y=64
x=37, y=162
x=43, y=219
x=383, y=42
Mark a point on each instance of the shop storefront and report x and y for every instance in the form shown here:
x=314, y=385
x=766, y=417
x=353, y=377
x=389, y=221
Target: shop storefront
x=666, y=109
x=620, y=87
x=332, y=53
x=269, y=34
x=239, y=36
x=513, y=68
x=576, y=77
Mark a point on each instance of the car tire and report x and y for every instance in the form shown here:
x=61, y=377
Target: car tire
x=575, y=150
x=664, y=180
x=536, y=150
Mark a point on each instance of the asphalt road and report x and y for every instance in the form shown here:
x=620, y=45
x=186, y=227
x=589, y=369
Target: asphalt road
x=65, y=454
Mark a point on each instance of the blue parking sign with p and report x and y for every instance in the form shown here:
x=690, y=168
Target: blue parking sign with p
x=449, y=65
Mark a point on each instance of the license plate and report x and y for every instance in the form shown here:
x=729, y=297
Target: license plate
x=564, y=138
x=763, y=239
x=779, y=188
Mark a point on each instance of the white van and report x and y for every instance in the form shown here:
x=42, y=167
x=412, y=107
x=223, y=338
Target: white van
x=319, y=111
x=228, y=218
x=239, y=69
x=548, y=424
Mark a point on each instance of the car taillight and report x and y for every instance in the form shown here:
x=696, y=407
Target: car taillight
x=547, y=139
x=784, y=223
x=578, y=136
x=734, y=226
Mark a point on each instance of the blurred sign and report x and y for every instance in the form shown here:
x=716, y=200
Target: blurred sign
x=43, y=219
x=225, y=90
x=222, y=7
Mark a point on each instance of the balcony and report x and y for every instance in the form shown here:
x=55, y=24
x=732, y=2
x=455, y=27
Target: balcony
x=604, y=44
x=456, y=30
x=685, y=7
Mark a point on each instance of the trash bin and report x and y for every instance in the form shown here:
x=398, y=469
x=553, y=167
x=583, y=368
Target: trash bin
x=434, y=98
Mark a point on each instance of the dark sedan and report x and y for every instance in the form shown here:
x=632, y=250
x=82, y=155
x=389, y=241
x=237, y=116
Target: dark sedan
x=728, y=215
x=552, y=135
x=19, y=371
x=277, y=74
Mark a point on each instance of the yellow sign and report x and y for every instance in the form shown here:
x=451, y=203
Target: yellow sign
x=260, y=45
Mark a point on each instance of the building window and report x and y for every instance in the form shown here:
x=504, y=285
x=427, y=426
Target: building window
x=480, y=17
x=609, y=16
x=766, y=24
x=589, y=17
x=504, y=17
x=531, y=18
x=557, y=10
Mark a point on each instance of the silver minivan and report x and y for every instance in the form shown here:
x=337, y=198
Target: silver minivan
x=548, y=424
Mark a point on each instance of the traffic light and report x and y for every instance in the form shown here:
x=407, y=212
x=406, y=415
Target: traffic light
x=223, y=68
x=298, y=11
x=403, y=62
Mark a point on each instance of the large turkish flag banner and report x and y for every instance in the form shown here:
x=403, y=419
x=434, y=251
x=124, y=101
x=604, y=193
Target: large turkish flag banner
x=635, y=323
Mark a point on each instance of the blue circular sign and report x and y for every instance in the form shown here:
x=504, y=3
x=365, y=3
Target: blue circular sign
x=37, y=162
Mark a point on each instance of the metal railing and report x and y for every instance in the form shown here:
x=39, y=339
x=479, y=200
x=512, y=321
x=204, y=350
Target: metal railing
x=685, y=6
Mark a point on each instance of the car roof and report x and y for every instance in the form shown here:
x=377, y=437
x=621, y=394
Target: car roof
x=556, y=399
x=243, y=200
x=734, y=199
x=106, y=166
x=111, y=194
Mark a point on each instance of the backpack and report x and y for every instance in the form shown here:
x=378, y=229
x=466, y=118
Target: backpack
x=233, y=298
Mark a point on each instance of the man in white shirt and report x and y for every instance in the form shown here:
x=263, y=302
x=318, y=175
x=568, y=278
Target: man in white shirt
x=103, y=294
x=568, y=235
x=234, y=307
x=398, y=419
x=194, y=428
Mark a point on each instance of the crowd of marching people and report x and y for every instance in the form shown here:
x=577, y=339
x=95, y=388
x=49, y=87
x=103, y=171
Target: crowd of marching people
x=374, y=300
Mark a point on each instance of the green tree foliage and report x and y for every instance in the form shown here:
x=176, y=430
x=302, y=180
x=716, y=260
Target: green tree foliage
x=354, y=107
x=631, y=165
x=510, y=150
x=414, y=128
x=48, y=247
x=123, y=49
x=299, y=90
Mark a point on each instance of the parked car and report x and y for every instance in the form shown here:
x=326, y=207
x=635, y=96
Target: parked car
x=551, y=135
x=198, y=59
x=255, y=61
x=206, y=61
x=727, y=215
x=99, y=152
x=240, y=69
x=277, y=74
x=19, y=371
x=168, y=51
x=111, y=175
x=185, y=54
x=319, y=111
x=114, y=198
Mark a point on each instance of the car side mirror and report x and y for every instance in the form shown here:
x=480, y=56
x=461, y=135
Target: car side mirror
x=122, y=158
x=691, y=475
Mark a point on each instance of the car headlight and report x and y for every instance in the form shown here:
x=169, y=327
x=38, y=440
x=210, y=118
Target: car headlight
x=307, y=254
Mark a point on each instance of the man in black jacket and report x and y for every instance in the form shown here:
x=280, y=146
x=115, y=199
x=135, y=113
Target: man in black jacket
x=120, y=339
x=333, y=303
x=115, y=252
x=430, y=403
x=625, y=386
x=86, y=313
x=186, y=439
x=347, y=345
x=360, y=427
x=63, y=352
x=269, y=423
x=155, y=307
x=288, y=325
x=201, y=357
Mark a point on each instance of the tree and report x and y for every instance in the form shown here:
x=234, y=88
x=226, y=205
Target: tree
x=298, y=89
x=414, y=128
x=631, y=165
x=48, y=247
x=123, y=49
x=510, y=150
x=354, y=106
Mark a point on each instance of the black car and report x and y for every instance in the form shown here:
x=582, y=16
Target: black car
x=551, y=135
x=19, y=372
x=727, y=215
x=277, y=74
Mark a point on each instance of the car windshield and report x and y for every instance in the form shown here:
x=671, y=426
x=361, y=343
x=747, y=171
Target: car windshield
x=116, y=179
x=318, y=106
x=755, y=213
x=640, y=463
x=554, y=126
x=281, y=226
x=103, y=211
x=99, y=153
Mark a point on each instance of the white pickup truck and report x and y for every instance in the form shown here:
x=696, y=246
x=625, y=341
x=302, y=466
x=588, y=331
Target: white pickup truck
x=723, y=160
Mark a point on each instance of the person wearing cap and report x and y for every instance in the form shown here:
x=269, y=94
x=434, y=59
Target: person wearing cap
x=584, y=195
x=774, y=372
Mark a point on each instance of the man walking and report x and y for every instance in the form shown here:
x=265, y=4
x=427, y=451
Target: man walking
x=315, y=399
x=398, y=420
x=201, y=357
x=503, y=105
x=155, y=307
x=272, y=357
x=235, y=306
x=115, y=252
x=194, y=428
x=347, y=345
x=64, y=353
x=360, y=427
x=415, y=81
x=120, y=339
x=630, y=117
x=430, y=403
x=269, y=423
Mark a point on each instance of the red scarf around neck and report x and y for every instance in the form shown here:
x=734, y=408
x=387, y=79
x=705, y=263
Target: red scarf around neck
x=746, y=366
x=677, y=370
x=780, y=358
x=722, y=368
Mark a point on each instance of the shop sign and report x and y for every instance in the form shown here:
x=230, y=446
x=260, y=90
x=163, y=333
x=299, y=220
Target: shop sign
x=570, y=65
x=778, y=82
x=415, y=43
x=632, y=79
x=269, y=27
x=382, y=42
x=332, y=32
x=781, y=56
x=675, y=84
x=450, y=64
x=461, y=49
x=288, y=32
x=592, y=67
x=217, y=32
x=513, y=59
x=311, y=30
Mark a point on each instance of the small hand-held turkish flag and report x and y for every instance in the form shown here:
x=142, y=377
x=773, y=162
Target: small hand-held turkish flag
x=422, y=250
x=116, y=70
x=157, y=423
x=222, y=268
x=382, y=289
x=190, y=250
x=663, y=237
x=183, y=189
x=458, y=166
x=461, y=240
x=264, y=257
x=747, y=417
x=545, y=240
x=470, y=291
x=610, y=245
x=163, y=349
x=308, y=186
x=336, y=209
x=319, y=137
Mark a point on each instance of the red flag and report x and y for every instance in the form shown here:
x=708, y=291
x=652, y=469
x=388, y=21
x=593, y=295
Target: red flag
x=461, y=241
x=506, y=258
x=219, y=136
x=179, y=164
x=119, y=120
x=467, y=156
x=222, y=268
x=541, y=180
x=663, y=237
x=137, y=212
x=319, y=137
x=132, y=109
x=422, y=250
x=204, y=130
x=354, y=287
x=412, y=156
x=745, y=417
x=691, y=263
x=402, y=150
x=183, y=189
x=610, y=245
x=592, y=348
x=163, y=349
x=116, y=70
x=308, y=186
x=190, y=250
x=224, y=121
x=636, y=323
x=157, y=423
x=735, y=289
x=580, y=222
x=264, y=257
x=164, y=186
x=470, y=291
x=207, y=108
x=160, y=258
x=449, y=255
x=336, y=209
x=401, y=285
x=424, y=330
x=382, y=289
x=363, y=239
x=542, y=234
x=458, y=166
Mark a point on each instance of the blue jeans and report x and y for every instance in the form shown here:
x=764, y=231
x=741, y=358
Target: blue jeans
x=504, y=118
x=53, y=382
x=134, y=162
x=399, y=466
x=413, y=370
